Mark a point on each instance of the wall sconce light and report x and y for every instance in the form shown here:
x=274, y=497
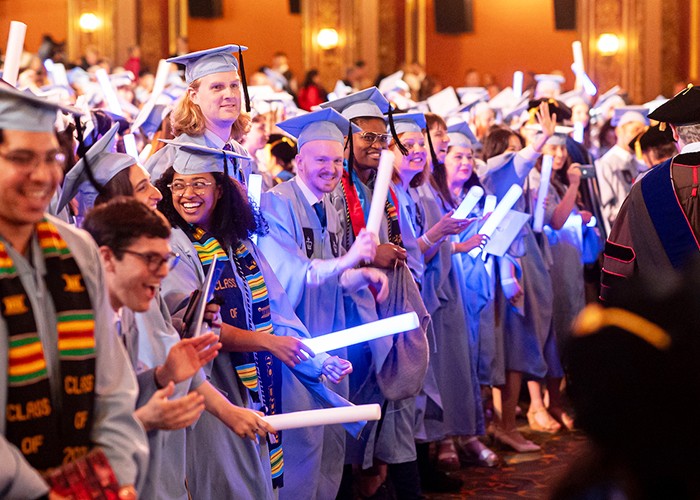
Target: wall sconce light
x=327, y=38
x=608, y=44
x=89, y=22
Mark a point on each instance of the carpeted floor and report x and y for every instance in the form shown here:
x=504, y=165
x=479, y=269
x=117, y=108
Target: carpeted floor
x=521, y=475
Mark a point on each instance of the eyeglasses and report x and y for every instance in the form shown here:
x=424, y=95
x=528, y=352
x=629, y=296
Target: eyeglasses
x=27, y=160
x=154, y=261
x=199, y=187
x=370, y=138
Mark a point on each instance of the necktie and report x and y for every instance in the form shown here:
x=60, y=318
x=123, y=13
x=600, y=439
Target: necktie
x=320, y=213
x=237, y=171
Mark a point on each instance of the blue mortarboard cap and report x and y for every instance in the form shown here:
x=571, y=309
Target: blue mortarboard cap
x=150, y=118
x=191, y=158
x=22, y=110
x=365, y=103
x=461, y=135
x=209, y=61
x=323, y=125
x=103, y=162
x=627, y=114
x=409, y=122
x=78, y=76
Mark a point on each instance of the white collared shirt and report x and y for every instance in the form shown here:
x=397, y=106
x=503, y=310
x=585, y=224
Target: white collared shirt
x=308, y=195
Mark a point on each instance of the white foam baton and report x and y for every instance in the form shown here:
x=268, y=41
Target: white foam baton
x=13, y=54
x=498, y=214
x=545, y=176
x=579, y=69
x=145, y=153
x=327, y=416
x=363, y=333
x=254, y=193
x=468, y=203
x=579, y=132
x=130, y=146
x=518, y=84
x=381, y=190
x=490, y=203
x=108, y=91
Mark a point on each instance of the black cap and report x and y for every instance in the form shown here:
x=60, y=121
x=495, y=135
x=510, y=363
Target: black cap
x=682, y=109
x=562, y=111
x=652, y=137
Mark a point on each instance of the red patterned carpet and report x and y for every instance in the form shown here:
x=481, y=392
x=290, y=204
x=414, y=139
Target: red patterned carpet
x=522, y=475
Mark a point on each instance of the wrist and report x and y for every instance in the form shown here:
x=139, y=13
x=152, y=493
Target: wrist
x=159, y=377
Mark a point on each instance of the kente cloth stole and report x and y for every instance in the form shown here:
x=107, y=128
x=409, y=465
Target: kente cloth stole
x=392, y=218
x=258, y=373
x=49, y=433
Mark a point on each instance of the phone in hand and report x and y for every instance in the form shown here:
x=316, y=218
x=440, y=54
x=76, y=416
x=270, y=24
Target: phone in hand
x=587, y=171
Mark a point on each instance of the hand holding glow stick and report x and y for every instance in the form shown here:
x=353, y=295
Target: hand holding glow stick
x=13, y=54
x=363, y=333
x=381, y=190
x=327, y=416
x=498, y=214
x=468, y=203
x=108, y=91
x=545, y=176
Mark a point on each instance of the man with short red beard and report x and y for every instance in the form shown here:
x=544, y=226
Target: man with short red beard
x=304, y=249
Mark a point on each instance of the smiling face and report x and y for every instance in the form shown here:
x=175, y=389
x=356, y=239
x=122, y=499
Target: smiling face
x=459, y=165
x=438, y=134
x=144, y=191
x=558, y=153
x=26, y=187
x=197, y=202
x=129, y=280
x=219, y=98
x=413, y=163
x=366, y=154
x=320, y=165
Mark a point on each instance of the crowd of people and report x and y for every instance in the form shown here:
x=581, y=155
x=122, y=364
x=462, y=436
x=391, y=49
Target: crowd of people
x=118, y=198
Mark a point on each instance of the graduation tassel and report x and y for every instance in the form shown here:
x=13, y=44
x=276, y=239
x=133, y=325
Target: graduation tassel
x=433, y=154
x=82, y=153
x=243, y=79
x=401, y=147
x=351, y=155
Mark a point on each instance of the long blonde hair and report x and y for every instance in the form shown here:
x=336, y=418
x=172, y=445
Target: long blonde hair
x=187, y=118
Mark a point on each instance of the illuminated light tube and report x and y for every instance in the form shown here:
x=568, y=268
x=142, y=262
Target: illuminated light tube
x=498, y=214
x=468, y=203
x=518, y=83
x=108, y=91
x=130, y=146
x=327, y=416
x=381, y=189
x=363, y=333
x=13, y=54
x=546, y=174
x=490, y=203
x=254, y=190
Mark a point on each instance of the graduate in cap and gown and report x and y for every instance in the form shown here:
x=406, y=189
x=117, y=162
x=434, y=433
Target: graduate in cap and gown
x=212, y=222
x=304, y=249
x=658, y=229
x=211, y=112
x=54, y=269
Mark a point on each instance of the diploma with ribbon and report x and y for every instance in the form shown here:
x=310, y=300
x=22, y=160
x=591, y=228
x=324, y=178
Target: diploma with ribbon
x=363, y=333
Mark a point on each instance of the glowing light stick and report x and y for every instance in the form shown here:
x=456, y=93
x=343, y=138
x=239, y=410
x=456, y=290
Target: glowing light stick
x=498, y=214
x=254, y=193
x=130, y=146
x=490, y=203
x=108, y=91
x=13, y=54
x=518, y=84
x=145, y=153
x=327, y=416
x=363, y=333
x=468, y=203
x=545, y=175
x=381, y=189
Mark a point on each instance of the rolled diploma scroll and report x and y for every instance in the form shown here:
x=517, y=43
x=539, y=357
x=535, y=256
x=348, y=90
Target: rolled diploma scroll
x=468, y=203
x=545, y=176
x=254, y=190
x=518, y=84
x=363, y=333
x=130, y=146
x=327, y=416
x=381, y=190
x=490, y=203
x=108, y=91
x=13, y=54
x=498, y=214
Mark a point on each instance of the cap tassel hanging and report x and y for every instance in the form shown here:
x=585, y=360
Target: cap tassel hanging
x=82, y=153
x=401, y=147
x=243, y=79
x=351, y=155
x=433, y=155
